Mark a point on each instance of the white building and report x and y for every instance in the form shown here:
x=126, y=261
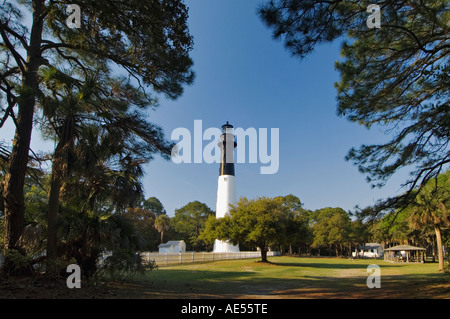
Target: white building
x=173, y=247
x=370, y=250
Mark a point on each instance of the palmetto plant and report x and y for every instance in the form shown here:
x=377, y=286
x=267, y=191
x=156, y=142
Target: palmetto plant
x=162, y=224
x=430, y=210
x=102, y=141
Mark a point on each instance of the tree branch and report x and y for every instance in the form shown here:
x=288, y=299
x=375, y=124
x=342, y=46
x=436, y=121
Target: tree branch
x=17, y=57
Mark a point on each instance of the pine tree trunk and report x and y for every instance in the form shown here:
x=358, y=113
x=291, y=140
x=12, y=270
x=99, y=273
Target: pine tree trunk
x=53, y=207
x=439, y=247
x=59, y=167
x=14, y=206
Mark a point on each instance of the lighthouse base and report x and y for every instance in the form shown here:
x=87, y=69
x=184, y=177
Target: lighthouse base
x=221, y=246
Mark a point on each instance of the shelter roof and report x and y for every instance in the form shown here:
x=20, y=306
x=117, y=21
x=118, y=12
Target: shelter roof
x=370, y=246
x=404, y=247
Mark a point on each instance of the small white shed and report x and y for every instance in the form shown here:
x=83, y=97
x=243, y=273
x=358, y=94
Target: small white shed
x=370, y=250
x=173, y=247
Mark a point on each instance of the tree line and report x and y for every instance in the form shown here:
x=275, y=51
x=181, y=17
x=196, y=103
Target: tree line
x=282, y=223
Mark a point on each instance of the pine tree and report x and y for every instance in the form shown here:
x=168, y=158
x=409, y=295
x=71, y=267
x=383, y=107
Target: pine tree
x=395, y=76
x=147, y=40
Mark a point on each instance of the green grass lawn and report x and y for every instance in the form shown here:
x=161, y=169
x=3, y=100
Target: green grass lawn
x=290, y=277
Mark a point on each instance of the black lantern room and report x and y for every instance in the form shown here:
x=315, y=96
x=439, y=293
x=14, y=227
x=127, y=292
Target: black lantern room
x=227, y=145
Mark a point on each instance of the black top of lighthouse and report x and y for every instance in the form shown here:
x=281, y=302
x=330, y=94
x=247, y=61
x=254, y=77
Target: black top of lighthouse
x=226, y=127
x=227, y=145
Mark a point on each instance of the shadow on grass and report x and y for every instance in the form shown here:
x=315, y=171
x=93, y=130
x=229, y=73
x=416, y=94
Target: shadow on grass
x=290, y=279
x=336, y=266
x=219, y=284
x=180, y=284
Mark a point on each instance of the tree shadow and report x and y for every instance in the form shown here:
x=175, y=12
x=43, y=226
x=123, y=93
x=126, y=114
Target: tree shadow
x=241, y=284
x=250, y=281
x=331, y=265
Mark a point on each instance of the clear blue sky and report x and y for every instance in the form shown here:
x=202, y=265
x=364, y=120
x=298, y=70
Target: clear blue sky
x=249, y=79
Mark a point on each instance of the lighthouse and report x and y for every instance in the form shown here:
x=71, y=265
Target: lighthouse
x=226, y=188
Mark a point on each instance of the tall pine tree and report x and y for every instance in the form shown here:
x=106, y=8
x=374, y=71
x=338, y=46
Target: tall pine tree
x=395, y=76
x=147, y=40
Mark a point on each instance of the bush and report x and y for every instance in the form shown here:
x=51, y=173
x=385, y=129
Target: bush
x=16, y=263
x=123, y=264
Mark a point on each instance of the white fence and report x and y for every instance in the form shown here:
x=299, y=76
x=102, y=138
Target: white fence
x=162, y=259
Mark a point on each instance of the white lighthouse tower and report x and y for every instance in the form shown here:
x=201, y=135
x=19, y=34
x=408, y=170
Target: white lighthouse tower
x=226, y=189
